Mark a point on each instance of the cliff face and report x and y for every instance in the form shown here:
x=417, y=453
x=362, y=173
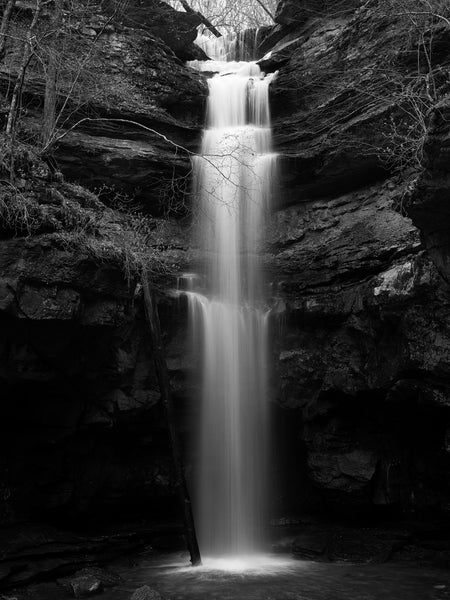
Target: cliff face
x=125, y=100
x=82, y=431
x=362, y=289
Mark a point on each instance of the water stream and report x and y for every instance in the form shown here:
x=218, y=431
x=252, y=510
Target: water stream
x=232, y=184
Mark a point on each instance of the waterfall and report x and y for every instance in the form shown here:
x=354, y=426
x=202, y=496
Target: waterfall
x=232, y=188
x=236, y=46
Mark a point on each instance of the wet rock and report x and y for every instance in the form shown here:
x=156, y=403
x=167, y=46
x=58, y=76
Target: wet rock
x=169, y=543
x=311, y=546
x=363, y=546
x=146, y=593
x=84, y=586
x=107, y=578
x=321, y=541
x=345, y=472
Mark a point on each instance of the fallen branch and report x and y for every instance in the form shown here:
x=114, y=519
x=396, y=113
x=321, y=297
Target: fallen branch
x=206, y=22
x=164, y=386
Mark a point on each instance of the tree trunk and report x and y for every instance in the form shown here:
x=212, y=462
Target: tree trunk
x=206, y=22
x=27, y=53
x=264, y=7
x=164, y=386
x=4, y=26
x=48, y=124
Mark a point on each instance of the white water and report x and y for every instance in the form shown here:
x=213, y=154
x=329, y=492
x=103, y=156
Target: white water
x=233, y=177
x=235, y=46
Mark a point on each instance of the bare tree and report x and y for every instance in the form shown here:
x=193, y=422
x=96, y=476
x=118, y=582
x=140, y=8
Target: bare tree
x=28, y=48
x=4, y=26
x=162, y=374
x=48, y=121
x=206, y=22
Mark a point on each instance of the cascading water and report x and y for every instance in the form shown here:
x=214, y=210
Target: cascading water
x=239, y=46
x=232, y=184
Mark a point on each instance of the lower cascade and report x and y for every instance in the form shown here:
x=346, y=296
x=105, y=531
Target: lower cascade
x=233, y=177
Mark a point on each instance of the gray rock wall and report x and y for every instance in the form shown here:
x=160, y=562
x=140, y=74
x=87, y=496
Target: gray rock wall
x=361, y=290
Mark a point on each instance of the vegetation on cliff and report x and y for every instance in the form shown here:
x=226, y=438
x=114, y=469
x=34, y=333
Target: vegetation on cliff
x=54, y=84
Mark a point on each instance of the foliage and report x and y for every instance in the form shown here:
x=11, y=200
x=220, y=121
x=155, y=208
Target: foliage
x=131, y=245
x=81, y=223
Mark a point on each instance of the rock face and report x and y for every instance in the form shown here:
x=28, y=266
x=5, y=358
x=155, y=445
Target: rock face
x=83, y=435
x=338, y=103
x=427, y=203
x=80, y=422
x=131, y=112
x=146, y=593
x=360, y=290
x=298, y=12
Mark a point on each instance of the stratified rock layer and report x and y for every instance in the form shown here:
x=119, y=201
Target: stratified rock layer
x=129, y=112
x=362, y=341
x=81, y=428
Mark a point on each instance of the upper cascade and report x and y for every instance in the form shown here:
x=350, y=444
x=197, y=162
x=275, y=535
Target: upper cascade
x=238, y=97
x=234, y=46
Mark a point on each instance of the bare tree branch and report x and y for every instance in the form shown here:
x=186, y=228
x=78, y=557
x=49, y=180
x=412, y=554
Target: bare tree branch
x=265, y=9
x=4, y=26
x=206, y=22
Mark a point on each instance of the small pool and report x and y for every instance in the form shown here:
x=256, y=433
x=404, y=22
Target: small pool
x=278, y=577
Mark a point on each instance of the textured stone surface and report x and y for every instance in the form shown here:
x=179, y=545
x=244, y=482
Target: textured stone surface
x=361, y=334
x=339, y=85
x=146, y=593
x=75, y=359
x=132, y=74
x=86, y=585
x=428, y=200
x=297, y=12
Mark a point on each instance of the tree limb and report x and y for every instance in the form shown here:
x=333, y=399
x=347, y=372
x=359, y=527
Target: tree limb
x=164, y=386
x=4, y=26
x=206, y=22
x=266, y=10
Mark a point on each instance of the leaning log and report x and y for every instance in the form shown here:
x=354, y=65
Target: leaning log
x=206, y=22
x=162, y=374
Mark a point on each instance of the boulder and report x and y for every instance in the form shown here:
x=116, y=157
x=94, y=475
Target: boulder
x=107, y=578
x=84, y=586
x=146, y=593
x=177, y=29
